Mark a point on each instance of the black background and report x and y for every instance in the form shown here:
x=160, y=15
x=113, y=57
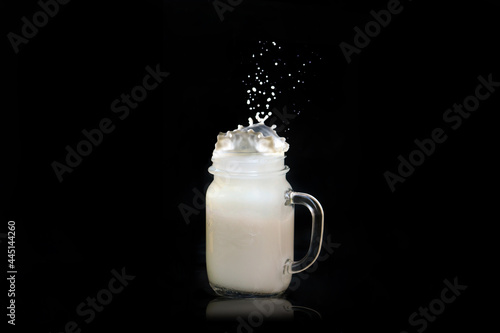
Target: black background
x=120, y=206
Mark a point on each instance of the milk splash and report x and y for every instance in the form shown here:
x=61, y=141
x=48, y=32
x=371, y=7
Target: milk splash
x=256, y=138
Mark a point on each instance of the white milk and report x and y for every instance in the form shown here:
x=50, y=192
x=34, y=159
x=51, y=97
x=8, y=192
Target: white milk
x=249, y=231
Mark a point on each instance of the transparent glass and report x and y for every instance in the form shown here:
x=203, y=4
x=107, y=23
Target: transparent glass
x=250, y=228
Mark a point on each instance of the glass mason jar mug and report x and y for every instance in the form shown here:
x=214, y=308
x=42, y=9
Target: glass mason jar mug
x=250, y=226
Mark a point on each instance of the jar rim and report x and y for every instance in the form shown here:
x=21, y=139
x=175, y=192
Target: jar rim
x=215, y=171
x=232, y=154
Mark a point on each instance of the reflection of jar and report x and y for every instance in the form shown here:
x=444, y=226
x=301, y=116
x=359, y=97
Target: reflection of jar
x=249, y=231
x=269, y=309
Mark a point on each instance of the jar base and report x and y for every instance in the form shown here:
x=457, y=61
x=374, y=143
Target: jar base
x=231, y=293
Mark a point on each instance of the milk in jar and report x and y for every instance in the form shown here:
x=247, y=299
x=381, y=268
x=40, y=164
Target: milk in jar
x=249, y=228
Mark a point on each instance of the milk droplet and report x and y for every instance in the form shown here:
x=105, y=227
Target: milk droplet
x=260, y=119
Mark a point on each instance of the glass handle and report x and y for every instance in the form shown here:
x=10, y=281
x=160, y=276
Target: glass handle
x=297, y=198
